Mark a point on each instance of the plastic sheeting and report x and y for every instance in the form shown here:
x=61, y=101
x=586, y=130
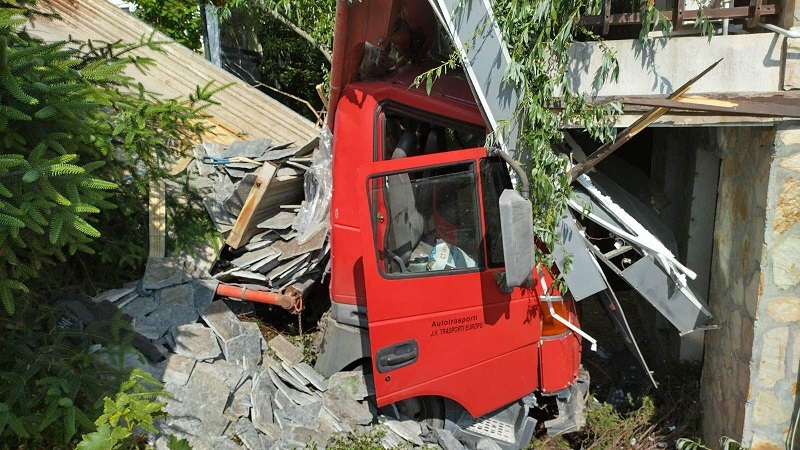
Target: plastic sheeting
x=313, y=215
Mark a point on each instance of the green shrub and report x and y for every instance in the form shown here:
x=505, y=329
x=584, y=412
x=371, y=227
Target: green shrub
x=134, y=407
x=50, y=382
x=80, y=143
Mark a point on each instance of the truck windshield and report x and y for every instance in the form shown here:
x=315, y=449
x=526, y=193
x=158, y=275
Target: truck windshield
x=431, y=220
x=431, y=134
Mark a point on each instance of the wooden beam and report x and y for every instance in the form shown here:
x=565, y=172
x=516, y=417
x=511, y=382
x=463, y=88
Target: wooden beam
x=712, y=105
x=242, y=229
x=157, y=212
x=265, y=198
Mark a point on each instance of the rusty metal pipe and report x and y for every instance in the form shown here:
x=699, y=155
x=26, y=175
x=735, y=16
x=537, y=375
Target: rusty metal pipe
x=258, y=296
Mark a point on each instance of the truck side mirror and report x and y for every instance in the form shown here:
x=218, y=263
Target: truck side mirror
x=516, y=224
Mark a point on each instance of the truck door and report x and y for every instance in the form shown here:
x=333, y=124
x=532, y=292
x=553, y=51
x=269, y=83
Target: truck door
x=438, y=321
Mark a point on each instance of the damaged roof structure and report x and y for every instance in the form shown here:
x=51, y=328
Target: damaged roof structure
x=243, y=111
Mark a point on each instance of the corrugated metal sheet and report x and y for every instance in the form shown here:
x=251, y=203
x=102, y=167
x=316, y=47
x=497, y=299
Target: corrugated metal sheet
x=243, y=108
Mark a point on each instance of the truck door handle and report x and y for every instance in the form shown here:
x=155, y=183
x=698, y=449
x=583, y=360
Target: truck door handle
x=397, y=356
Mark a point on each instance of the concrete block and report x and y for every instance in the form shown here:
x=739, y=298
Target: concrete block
x=285, y=350
x=244, y=349
x=180, y=294
x=407, y=429
x=353, y=383
x=197, y=341
x=304, y=416
x=203, y=292
x=261, y=396
x=247, y=433
x=313, y=377
x=139, y=307
x=177, y=369
x=344, y=408
x=239, y=403
x=219, y=318
x=446, y=440
x=163, y=272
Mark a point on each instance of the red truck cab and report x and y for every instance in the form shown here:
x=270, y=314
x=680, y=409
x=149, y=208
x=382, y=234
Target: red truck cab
x=417, y=268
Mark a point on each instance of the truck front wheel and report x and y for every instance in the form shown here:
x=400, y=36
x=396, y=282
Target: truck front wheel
x=427, y=409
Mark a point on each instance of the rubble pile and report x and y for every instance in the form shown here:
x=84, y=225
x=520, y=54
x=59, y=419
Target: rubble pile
x=231, y=388
x=253, y=192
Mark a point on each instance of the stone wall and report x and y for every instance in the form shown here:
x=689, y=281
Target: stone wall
x=750, y=374
x=734, y=292
x=773, y=401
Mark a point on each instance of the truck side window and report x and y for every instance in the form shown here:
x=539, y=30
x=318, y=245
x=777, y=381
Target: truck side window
x=429, y=134
x=494, y=180
x=432, y=220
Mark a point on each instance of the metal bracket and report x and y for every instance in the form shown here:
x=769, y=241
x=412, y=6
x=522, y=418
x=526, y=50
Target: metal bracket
x=755, y=13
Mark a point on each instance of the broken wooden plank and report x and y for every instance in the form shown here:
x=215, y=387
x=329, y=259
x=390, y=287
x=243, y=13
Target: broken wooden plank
x=628, y=133
x=244, y=228
x=157, y=212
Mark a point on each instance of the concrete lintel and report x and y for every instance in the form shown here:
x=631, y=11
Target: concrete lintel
x=751, y=63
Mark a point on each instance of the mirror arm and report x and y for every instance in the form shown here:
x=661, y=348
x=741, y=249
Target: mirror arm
x=525, y=191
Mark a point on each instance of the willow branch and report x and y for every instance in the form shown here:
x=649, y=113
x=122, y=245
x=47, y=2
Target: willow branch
x=322, y=49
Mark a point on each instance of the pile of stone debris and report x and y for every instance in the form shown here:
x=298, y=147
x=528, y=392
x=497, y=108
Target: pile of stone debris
x=254, y=191
x=233, y=389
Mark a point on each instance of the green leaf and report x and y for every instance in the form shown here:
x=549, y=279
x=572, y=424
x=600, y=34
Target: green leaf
x=16, y=426
x=30, y=176
x=178, y=444
x=104, y=438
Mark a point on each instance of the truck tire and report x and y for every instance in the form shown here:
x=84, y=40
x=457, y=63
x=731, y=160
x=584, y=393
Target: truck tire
x=427, y=409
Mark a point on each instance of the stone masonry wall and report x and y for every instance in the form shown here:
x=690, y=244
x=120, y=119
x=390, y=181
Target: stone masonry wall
x=746, y=154
x=773, y=401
